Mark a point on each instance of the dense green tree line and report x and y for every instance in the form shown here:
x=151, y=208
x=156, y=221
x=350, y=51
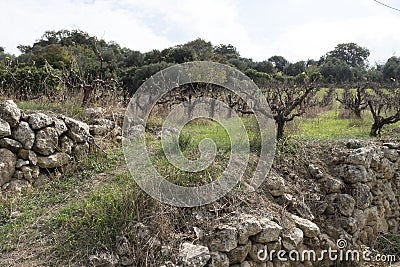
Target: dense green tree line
x=73, y=59
x=64, y=63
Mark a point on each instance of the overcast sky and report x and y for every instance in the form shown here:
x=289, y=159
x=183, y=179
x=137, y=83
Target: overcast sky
x=295, y=29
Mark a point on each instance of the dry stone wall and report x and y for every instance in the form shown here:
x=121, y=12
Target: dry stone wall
x=31, y=144
x=357, y=193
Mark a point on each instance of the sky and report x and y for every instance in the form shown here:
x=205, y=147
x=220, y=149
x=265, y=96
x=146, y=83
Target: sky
x=259, y=29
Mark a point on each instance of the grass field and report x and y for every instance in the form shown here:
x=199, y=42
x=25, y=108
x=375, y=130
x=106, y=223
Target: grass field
x=80, y=211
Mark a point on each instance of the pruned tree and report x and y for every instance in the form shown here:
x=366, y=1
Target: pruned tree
x=290, y=99
x=354, y=100
x=384, y=105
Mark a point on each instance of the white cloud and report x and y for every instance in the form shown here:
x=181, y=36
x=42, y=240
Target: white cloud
x=295, y=29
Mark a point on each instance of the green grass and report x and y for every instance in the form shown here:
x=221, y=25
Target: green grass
x=330, y=125
x=70, y=109
x=388, y=244
x=30, y=216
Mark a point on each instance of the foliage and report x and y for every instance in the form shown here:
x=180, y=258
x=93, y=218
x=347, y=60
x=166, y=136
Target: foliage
x=351, y=53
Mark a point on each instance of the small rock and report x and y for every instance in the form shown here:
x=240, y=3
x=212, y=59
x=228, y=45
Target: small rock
x=39, y=120
x=46, y=141
x=276, y=185
x=309, y=228
x=16, y=186
x=30, y=172
x=345, y=204
x=90, y=113
x=224, y=238
x=349, y=224
x=255, y=249
x=28, y=155
x=351, y=173
x=270, y=231
x=238, y=254
x=193, y=255
x=7, y=165
x=5, y=129
x=18, y=175
x=331, y=185
x=353, y=144
x=60, y=126
x=25, y=135
x=248, y=226
x=392, y=145
x=292, y=238
x=315, y=171
x=20, y=163
x=218, y=259
x=66, y=144
x=78, y=131
x=361, y=194
x=10, y=113
x=53, y=161
x=10, y=144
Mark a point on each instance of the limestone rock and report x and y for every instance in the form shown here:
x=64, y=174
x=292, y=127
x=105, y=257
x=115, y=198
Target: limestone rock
x=248, y=226
x=78, y=131
x=270, y=231
x=391, y=154
x=275, y=185
x=25, y=135
x=224, y=238
x=101, y=127
x=193, y=255
x=7, y=165
x=66, y=144
x=60, y=126
x=10, y=113
x=353, y=144
x=10, y=144
x=218, y=259
x=361, y=194
x=315, y=171
x=352, y=173
x=292, y=238
x=20, y=163
x=309, y=228
x=28, y=155
x=5, y=129
x=91, y=113
x=392, y=145
x=238, y=254
x=349, y=224
x=30, y=173
x=39, y=120
x=53, y=161
x=46, y=141
x=362, y=156
x=16, y=186
x=345, y=204
x=331, y=185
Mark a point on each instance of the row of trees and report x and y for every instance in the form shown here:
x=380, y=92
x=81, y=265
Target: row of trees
x=63, y=63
